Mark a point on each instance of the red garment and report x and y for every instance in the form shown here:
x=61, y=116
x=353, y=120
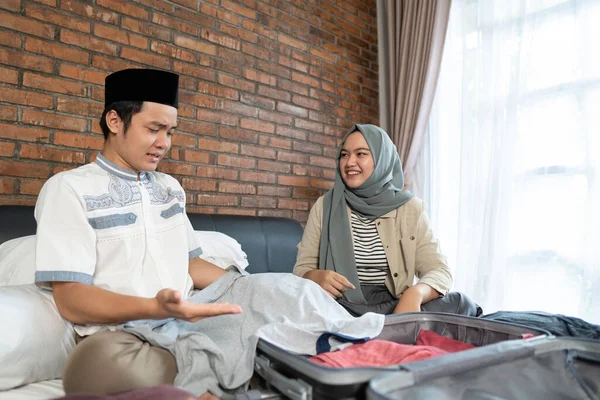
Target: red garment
x=381, y=353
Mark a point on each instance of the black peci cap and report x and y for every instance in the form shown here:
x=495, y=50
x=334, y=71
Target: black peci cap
x=142, y=85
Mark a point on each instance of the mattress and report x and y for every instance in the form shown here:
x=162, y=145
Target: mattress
x=35, y=391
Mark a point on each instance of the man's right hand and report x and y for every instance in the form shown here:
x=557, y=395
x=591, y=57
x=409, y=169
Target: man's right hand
x=171, y=305
x=332, y=282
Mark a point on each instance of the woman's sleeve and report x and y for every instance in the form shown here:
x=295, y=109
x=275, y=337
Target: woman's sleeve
x=431, y=266
x=308, y=248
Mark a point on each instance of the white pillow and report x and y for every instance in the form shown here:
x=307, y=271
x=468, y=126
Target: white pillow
x=221, y=250
x=17, y=261
x=35, y=340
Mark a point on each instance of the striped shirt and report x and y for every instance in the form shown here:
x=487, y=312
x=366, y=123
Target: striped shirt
x=371, y=262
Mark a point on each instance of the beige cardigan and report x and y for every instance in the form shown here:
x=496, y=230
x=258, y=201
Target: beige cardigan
x=410, y=247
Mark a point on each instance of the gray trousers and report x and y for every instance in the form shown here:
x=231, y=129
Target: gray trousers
x=381, y=301
x=109, y=362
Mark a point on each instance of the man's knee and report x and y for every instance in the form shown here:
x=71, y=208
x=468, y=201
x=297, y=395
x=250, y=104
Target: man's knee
x=109, y=362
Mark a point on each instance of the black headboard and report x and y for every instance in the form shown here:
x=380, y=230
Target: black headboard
x=269, y=242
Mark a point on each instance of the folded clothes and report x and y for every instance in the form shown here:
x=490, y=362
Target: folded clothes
x=381, y=353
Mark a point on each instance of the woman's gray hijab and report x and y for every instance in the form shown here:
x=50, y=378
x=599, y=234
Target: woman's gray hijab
x=378, y=195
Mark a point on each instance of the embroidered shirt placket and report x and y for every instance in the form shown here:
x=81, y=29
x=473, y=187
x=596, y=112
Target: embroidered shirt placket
x=152, y=244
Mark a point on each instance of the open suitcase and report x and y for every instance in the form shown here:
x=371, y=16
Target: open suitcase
x=295, y=377
x=546, y=368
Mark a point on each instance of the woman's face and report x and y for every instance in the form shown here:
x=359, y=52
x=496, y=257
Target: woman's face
x=356, y=161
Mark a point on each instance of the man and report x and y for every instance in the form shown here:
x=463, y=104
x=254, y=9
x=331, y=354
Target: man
x=114, y=242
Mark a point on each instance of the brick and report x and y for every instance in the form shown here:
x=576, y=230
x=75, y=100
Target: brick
x=305, y=58
x=26, y=25
x=275, y=213
x=274, y=93
x=292, y=87
x=294, y=64
x=292, y=109
x=238, y=33
x=197, y=156
x=305, y=147
x=109, y=64
x=293, y=204
x=7, y=149
x=260, y=30
x=146, y=29
x=306, y=102
x=31, y=187
x=261, y=152
x=26, y=61
x=236, y=82
x=280, y=119
x=11, y=5
x=146, y=58
x=325, y=118
x=217, y=117
x=259, y=76
x=196, y=18
x=221, y=15
x=10, y=39
x=307, y=80
x=258, y=52
x=198, y=72
x=124, y=8
x=193, y=4
x=321, y=183
x=274, y=191
x=290, y=132
x=55, y=50
x=175, y=25
x=292, y=181
x=199, y=210
x=217, y=145
x=257, y=101
x=22, y=201
x=186, y=111
x=24, y=169
x=23, y=133
x=236, y=162
x=238, y=9
x=176, y=168
x=220, y=39
x=195, y=45
x=198, y=100
x=79, y=107
x=218, y=173
x=25, y=97
x=300, y=45
x=197, y=128
x=259, y=202
x=118, y=35
x=55, y=85
x=274, y=166
x=92, y=142
x=7, y=186
x=161, y=5
x=257, y=125
x=273, y=69
x=237, y=108
x=8, y=113
x=305, y=193
x=292, y=157
x=217, y=200
x=236, y=211
x=35, y=117
x=89, y=11
x=51, y=154
x=204, y=185
x=48, y=15
x=9, y=75
x=260, y=177
x=217, y=90
x=241, y=188
x=309, y=126
x=268, y=141
x=238, y=135
x=81, y=74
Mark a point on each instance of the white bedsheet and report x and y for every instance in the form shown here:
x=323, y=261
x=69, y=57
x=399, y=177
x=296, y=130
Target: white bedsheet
x=36, y=391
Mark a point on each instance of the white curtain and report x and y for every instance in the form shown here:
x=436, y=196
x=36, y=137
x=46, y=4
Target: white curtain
x=511, y=166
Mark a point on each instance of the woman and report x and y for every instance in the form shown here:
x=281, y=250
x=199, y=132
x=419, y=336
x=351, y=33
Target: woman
x=366, y=239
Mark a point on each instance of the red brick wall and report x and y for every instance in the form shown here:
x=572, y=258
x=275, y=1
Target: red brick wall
x=267, y=89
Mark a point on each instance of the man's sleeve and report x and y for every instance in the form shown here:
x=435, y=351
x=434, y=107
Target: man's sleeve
x=194, y=249
x=66, y=242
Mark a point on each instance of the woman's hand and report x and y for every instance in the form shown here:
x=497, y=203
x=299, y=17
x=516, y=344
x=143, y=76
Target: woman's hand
x=332, y=282
x=171, y=305
x=415, y=296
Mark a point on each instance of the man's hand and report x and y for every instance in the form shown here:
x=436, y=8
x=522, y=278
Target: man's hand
x=171, y=305
x=332, y=282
